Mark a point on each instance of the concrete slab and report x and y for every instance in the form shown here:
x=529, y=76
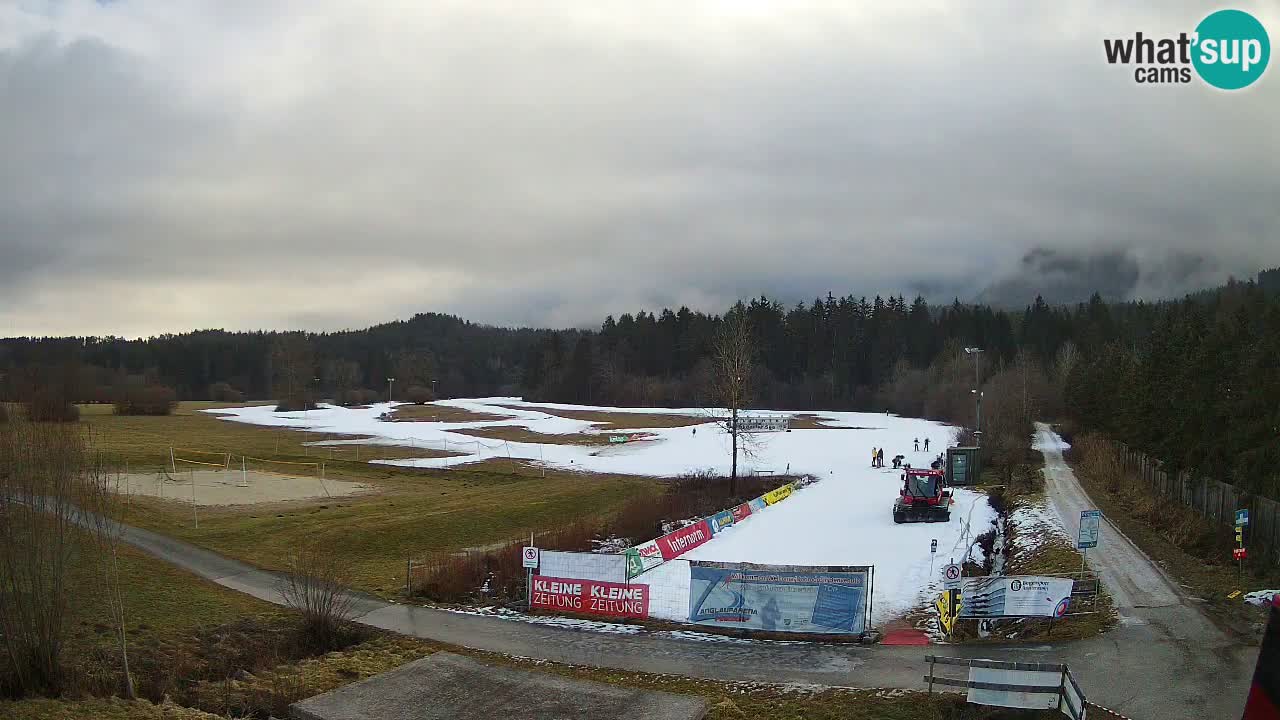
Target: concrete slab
x=445, y=685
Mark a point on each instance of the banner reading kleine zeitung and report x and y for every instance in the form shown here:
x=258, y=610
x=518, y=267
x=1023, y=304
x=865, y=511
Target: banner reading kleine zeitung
x=779, y=598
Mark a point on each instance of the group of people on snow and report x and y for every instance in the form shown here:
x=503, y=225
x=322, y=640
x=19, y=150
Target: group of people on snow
x=877, y=457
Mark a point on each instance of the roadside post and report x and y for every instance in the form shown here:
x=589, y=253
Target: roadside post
x=529, y=558
x=1239, y=552
x=1090, y=530
x=933, y=551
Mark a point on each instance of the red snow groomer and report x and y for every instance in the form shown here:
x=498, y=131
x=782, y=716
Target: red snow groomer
x=922, y=497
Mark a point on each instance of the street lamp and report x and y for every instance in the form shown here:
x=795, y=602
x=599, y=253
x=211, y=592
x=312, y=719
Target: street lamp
x=434, y=396
x=977, y=393
x=389, y=381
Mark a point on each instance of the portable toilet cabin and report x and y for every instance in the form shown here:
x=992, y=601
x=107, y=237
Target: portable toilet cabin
x=964, y=465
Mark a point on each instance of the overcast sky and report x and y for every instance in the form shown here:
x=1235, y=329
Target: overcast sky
x=169, y=165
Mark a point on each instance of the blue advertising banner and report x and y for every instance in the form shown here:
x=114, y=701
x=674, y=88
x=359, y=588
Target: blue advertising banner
x=758, y=504
x=721, y=520
x=779, y=598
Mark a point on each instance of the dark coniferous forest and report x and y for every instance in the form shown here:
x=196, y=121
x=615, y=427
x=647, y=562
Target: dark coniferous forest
x=1194, y=382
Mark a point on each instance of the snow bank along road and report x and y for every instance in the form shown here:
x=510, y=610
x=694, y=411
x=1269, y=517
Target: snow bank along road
x=1180, y=643
x=844, y=519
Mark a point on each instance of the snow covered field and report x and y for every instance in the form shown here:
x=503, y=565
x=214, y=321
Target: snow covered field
x=845, y=519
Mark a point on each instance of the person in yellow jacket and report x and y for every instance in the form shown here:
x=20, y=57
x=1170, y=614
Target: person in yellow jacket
x=873, y=457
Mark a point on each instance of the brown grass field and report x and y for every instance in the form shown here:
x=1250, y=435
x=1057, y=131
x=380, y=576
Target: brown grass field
x=409, y=511
x=621, y=420
x=441, y=413
x=517, y=433
x=640, y=420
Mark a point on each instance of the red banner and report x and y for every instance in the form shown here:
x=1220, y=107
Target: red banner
x=590, y=597
x=676, y=543
x=741, y=512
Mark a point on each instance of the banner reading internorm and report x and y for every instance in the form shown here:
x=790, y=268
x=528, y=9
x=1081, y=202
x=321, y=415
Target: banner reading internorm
x=1015, y=596
x=642, y=558
x=590, y=597
x=678, y=542
x=779, y=598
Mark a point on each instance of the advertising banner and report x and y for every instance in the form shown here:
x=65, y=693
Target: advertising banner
x=1015, y=596
x=583, y=566
x=721, y=520
x=1014, y=698
x=757, y=504
x=777, y=495
x=640, y=558
x=779, y=598
x=678, y=542
x=741, y=512
x=1090, y=521
x=590, y=597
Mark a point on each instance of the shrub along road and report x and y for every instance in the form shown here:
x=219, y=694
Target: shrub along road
x=1162, y=662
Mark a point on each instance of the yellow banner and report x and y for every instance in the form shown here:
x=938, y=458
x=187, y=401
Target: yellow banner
x=777, y=495
x=947, y=609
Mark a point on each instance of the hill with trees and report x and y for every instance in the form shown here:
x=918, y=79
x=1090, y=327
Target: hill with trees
x=1194, y=382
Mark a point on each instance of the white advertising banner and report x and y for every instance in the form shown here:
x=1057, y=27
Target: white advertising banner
x=583, y=566
x=1015, y=596
x=1047, y=700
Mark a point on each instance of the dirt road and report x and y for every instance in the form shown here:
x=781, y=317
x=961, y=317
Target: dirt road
x=1168, y=633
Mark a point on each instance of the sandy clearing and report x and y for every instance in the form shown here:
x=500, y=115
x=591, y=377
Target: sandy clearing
x=223, y=487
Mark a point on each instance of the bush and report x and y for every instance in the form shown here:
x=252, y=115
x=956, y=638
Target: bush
x=998, y=500
x=146, y=400
x=223, y=392
x=418, y=395
x=357, y=396
x=51, y=407
x=294, y=404
x=315, y=584
x=4, y=413
x=987, y=541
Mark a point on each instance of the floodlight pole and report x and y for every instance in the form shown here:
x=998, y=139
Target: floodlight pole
x=389, y=381
x=977, y=393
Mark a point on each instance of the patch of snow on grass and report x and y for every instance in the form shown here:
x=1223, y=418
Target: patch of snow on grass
x=845, y=519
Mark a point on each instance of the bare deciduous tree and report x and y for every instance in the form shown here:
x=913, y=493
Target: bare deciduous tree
x=732, y=362
x=39, y=472
x=102, y=504
x=315, y=584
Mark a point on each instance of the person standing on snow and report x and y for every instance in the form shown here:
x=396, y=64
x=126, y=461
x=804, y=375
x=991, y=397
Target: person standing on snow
x=917, y=442
x=880, y=457
x=873, y=457
x=926, y=444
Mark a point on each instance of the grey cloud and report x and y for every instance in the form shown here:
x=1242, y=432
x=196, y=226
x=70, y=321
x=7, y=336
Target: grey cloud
x=342, y=166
